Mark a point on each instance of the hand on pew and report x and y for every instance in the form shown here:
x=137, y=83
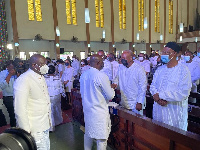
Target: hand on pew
x=138, y=106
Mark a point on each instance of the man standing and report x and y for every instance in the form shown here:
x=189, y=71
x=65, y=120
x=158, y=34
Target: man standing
x=194, y=68
x=114, y=65
x=143, y=62
x=132, y=82
x=170, y=88
x=7, y=78
x=76, y=66
x=32, y=102
x=96, y=92
x=107, y=69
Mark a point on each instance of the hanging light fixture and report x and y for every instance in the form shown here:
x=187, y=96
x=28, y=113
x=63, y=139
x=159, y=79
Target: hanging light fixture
x=161, y=37
x=196, y=39
x=87, y=15
x=181, y=27
x=145, y=23
x=138, y=36
x=181, y=38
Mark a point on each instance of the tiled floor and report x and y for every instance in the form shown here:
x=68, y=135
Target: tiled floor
x=67, y=136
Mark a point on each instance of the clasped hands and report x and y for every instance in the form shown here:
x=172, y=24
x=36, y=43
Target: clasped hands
x=158, y=100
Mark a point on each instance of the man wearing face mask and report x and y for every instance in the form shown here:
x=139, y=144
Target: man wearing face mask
x=32, y=102
x=96, y=92
x=194, y=68
x=170, y=88
x=143, y=62
x=132, y=82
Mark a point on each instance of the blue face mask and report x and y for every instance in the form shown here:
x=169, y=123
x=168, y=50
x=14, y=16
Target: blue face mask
x=198, y=54
x=133, y=58
x=67, y=64
x=124, y=62
x=187, y=58
x=165, y=59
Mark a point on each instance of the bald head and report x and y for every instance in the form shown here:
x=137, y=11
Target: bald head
x=96, y=61
x=37, y=61
x=127, y=55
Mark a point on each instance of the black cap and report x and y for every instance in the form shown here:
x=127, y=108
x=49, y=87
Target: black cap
x=174, y=46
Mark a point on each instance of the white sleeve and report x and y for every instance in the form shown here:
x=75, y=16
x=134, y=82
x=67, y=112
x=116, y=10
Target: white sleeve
x=104, y=84
x=153, y=89
x=142, y=86
x=21, y=94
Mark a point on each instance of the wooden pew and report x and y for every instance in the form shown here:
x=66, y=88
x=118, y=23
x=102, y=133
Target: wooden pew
x=138, y=132
x=133, y=131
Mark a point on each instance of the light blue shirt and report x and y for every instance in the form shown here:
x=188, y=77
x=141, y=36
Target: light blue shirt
x=6, y=88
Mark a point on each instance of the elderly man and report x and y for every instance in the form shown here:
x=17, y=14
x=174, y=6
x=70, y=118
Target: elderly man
x=7, y=78
x=170, y=88
x=132, y=82
x=32, y=102
x=96, y=92
x=107, y=69
x=194, y=68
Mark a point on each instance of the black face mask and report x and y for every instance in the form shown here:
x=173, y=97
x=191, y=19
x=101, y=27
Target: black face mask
x=124, y=62
x=67, y=64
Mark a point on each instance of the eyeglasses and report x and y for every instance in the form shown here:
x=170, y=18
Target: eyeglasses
x=166, y=53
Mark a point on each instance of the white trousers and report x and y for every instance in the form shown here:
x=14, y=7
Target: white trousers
x=42, y=140
x=88, y=142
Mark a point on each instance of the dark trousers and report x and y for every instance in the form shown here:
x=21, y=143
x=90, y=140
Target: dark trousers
x=8, y=102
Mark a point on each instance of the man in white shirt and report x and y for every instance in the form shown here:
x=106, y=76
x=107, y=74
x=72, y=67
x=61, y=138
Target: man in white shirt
x=32, y=102
x=170, y=88
x=197, y=58
x=107, y=69
x=132, y=82
x=96, y=92
x=75, y=65
x=194, y=68
x=144, y=63
x=114, y=65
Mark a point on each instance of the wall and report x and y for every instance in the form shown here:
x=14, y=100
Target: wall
x=28, y=29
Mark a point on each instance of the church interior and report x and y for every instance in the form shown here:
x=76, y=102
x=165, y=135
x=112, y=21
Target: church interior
x=59, y=29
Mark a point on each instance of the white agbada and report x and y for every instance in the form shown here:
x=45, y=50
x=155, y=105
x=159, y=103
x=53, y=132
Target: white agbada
x=76, y=66
x=173, y=85
x=132, y=82
x=96, y=92
x=107, y=69
x=115, y=66
x=68, y=74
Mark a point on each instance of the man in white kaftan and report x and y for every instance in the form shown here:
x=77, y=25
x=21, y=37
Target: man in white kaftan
x=132, y=82
x=107, y=69
x=114, y=65
x=32, y=102
x=170, y=88
x=75, y=65
x=96, y=92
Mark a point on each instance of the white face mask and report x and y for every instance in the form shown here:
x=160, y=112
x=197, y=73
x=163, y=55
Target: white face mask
x=140, y=58
x=44, y=69
x=82, y=63
x=73, y=59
